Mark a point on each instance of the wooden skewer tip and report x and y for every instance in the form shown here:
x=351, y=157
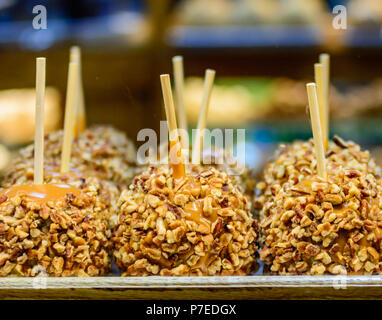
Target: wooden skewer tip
x=202, y=121
x=316, y=128
x=70, y=107
x=177, y=58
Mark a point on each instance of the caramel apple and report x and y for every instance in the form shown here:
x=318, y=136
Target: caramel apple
x=317, y=226
x=53, y=229
x=99, y=151
x=293, y=162
x=198, y=224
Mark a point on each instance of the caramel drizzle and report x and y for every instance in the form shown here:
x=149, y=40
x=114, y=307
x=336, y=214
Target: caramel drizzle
x=305, y=185
x=194, y=211
x=203, y=262
x=176, y=160
x=342, y=211
x=42, y=193
x=79, y=125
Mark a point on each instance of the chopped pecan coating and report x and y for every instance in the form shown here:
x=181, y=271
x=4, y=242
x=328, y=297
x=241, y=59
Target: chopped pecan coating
x=69, y=237
x=241, y=175
x=296, y=161
x=333, y=227
x=180, y=228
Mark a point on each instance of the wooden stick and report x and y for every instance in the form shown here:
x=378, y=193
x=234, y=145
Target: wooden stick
x=325, y=61
x=39, y=122
x=202, y=121
x=176, y=160
x=70, y=106
x=177, y=63
x=318, y=76
x=80, y=123
x=316, y=127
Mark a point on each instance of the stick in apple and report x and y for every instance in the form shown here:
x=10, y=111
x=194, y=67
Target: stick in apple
x=70, y=106
x=316, y=128
x=325, y=61
x=80, y=121
x=202, y=121
x=318, y=77
x=177, y=63
x=39, y=122
x=176, y=160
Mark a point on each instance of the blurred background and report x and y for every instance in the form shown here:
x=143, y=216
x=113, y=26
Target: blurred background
x=263, y=52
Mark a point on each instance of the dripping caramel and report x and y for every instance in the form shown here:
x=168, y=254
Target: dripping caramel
x=176, y=160
x=194, y=211
x=79, y=125
x=42, y=193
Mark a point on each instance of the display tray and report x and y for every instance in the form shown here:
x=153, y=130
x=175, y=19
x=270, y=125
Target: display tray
x=172, y=288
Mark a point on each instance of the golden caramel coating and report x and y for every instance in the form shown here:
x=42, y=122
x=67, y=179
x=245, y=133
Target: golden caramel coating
x=197, y=225
x=108, y=192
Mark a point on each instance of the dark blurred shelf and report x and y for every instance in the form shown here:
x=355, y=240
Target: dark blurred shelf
x=268, y=36
x=242, y=36
x=122, y=29
x=364, y=37
x=121, y=64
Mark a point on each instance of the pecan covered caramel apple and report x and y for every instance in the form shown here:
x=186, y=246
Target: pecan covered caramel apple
x=314, y=226
x=55, y=229
x=108, y=191
x=295, y=161
x=100, y=151
x=198, y=224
